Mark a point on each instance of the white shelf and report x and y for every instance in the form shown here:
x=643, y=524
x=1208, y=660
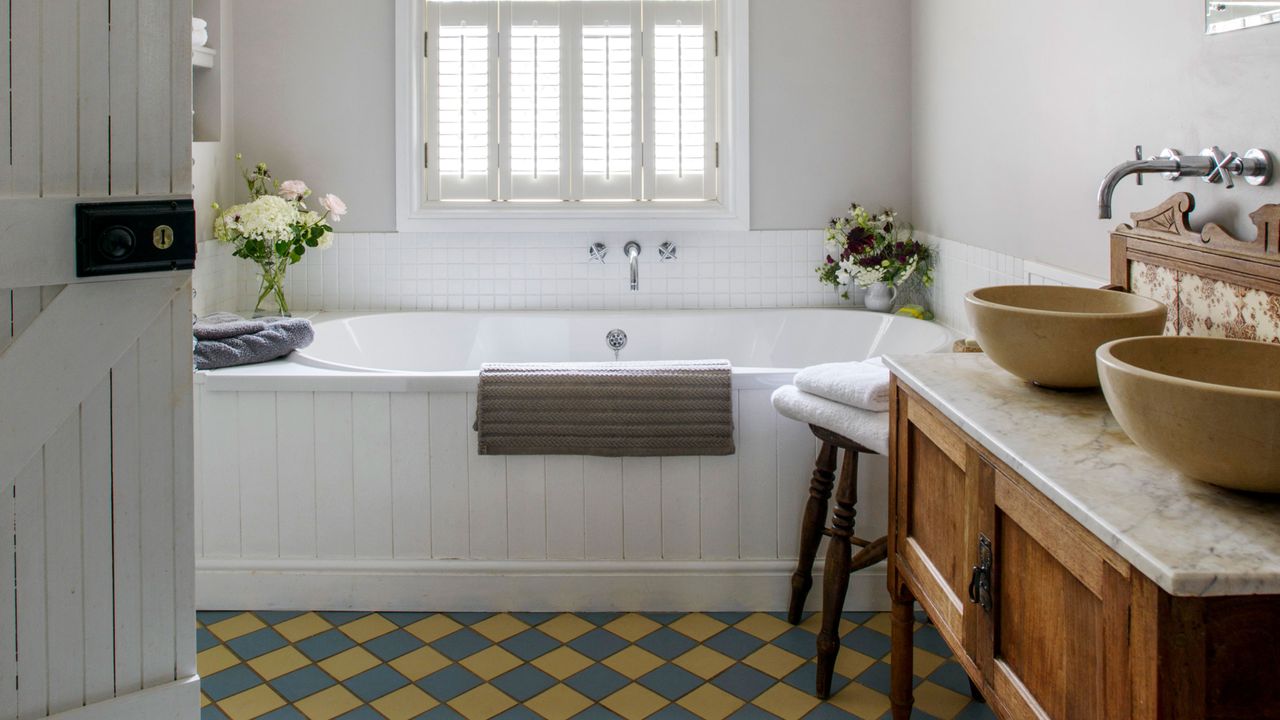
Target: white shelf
x=203, y=57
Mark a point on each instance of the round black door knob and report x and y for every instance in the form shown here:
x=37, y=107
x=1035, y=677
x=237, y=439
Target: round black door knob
x=116, y=243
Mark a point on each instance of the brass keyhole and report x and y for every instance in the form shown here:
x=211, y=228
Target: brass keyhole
x=162, y=237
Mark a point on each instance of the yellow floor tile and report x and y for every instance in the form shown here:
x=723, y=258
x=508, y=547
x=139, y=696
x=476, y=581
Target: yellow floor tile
x=367, y=628
x=491, y=662
x=851, y=663
x=923, y=662
x=566, y=627
x=786, y=702
x=204, y=700
x=559, y=702
x=939, y=701
x=500, y=627
x=765, y=627
x=482, y=703
x=632, y=626
x=813, y=624
x=328, y=704
x=633, y=661
x=278, y=662
x=407, y=702
x=419, y=663
x=302, y=627
x=774, y=661
x=562, y=662
x=634, y=702
x=710, y=703
x=349, y=663
x=433, y=628
x=704, y=662
x=697, y=626
x=861, y=701
x=237, y=626
x=880, y=622
x=251, y=703
x=214, y=659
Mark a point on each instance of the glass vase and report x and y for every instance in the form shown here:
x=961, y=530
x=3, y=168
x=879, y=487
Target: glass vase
x=271, y=299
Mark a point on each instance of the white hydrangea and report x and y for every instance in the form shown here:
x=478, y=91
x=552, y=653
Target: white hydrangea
x=269, y=218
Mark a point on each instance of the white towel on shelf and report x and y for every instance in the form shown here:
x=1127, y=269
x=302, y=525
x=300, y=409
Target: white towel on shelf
x=861, y=384
x=867, y=428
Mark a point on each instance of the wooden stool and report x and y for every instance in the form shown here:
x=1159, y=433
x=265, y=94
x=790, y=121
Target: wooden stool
x=840, y=560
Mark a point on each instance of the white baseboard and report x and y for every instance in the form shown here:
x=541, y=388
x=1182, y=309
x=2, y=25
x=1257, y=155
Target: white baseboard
x=178, y=700
x=534, y=586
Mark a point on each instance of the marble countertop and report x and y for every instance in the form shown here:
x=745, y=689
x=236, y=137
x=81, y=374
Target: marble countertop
x=1190, y=538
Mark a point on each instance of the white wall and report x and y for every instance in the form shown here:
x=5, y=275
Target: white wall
x=314, y=88
x=1019, y=108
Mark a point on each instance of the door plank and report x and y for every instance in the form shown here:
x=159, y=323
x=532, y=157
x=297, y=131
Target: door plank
x=33, y=655
x=411, y=475
x=371, y=413
x=681, y=514
x=183, y=485
x=296, y=463
x=220, y=478
x=180, y=98
x=449, y=503
x=566, y=532
x=155, y=68
x=64, y=579
x=260, y=498
x=59, y=63
x=126, y=490
x=335, y=512
x=526, y=507
x=757, y=476
x=94, y=127
x=6, y=170
x=95, y=519
x=642, y=508
x=124, y=97
x=602, y=500
x=24, y=68
x=8, y=620
x=45, y=369
x=156, y=526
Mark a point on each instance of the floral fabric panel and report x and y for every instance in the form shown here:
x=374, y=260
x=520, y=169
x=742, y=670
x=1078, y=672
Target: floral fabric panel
x=1214, y=308
x=1159, y=284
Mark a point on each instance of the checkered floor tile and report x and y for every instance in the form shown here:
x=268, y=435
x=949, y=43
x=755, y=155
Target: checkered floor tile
x=553, y=666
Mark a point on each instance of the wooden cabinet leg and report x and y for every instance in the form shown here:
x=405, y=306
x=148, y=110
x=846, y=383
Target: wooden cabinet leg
x=900, y=679
x=812, y=524
x=836, y=574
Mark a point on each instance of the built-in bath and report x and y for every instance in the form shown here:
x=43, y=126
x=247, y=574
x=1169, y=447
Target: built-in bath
x=347, y=475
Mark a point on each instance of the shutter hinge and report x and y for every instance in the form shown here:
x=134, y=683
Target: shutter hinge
x=715, y=42
x=717, y=154
x=426, y=155
x=426, y=44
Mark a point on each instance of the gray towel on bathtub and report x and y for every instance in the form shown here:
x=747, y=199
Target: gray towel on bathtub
x=258, y=340
x=620, y=409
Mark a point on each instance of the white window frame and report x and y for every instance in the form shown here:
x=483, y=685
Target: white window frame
x=414, y=213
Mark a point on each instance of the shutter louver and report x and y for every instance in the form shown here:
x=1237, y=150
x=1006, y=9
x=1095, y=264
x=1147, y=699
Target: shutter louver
x=679, y=88
x=609, y=115
x=465, y=100
x=535, y=57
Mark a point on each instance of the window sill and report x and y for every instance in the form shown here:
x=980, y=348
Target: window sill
x=580, y=217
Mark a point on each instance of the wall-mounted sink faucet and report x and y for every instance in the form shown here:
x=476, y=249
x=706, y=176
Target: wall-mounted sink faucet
x=632, y=250
x=1212, y=164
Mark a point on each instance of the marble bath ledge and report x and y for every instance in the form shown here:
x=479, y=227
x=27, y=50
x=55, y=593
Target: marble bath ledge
x=1190, y=538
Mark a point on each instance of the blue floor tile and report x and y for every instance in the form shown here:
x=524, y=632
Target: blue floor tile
x=523, y=682
x=364, y=712
x=234, y=679
x=927, y=638
x=258, y=642
x=876, y=677
x=518, y=712
x=597, y=712
x=805, y=678
x=858, y=618
x=301, y=683
x=829, y=712
x=670, y=681
x=868, y=642
x=663, y=618
x=405, y=618
x=597, y=682
x=205, y=640
x=798, y=641
x=600, y=618
x=728, y=618
x=326, y=644
x=598, y=644
x=470, y=618
x=975, y=711
x=734, y=643
x=533, y=618
x=393, y=645
x=209, y=617
x=275, y=617
x=673, y=712
x=530, y=644
x=666, y=643
x=743, y=682
x=375, y=682
x=461, y=644
x=341, y=617
x=285, y=713
x=440, y=712
x=751, y=712
x=209, y=712
x=951, y=676
x=444, y=685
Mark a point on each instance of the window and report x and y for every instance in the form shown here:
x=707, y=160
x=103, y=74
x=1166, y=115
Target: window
x=583, y=108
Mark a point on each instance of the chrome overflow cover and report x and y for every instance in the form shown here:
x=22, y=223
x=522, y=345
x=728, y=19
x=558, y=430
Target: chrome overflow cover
x=616, y=340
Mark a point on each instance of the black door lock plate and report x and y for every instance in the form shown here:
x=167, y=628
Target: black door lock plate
x=115, y=238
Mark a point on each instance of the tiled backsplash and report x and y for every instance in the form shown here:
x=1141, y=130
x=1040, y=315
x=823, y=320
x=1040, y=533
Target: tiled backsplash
x=765, y=268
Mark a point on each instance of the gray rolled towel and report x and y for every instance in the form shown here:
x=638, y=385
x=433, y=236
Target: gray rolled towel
x=277, y=337
x=222, y=325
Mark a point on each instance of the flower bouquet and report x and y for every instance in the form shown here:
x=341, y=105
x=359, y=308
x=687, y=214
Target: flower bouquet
x=275, y=229
x=865, y=249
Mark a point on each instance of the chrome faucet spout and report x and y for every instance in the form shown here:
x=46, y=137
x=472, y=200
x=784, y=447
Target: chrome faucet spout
x=1123, y=170
x=632, y=250
x=1212, y=164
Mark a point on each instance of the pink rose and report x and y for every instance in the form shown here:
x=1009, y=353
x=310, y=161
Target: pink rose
x=334, y=205
x=294, y=190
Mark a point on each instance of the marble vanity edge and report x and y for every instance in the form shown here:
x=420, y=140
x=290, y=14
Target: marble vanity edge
x=1184, y=583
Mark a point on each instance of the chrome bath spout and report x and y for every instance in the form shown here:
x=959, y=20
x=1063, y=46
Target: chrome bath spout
x=1123, y=170
x=1212, y=164
x=632, y=250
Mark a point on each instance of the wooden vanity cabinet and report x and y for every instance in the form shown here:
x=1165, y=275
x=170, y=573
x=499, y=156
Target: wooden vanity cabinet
x=1047, y=620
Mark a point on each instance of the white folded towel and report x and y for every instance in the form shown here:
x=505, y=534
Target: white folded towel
x=867, y=428
x=861, y=384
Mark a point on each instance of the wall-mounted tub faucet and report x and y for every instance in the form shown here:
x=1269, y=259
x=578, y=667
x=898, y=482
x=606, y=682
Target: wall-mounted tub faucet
x=667, y=252
x=597, y=252
x=632, y=249
x=1212, y=164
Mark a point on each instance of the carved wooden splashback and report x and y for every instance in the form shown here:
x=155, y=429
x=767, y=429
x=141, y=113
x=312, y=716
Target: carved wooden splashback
x=1214, y=284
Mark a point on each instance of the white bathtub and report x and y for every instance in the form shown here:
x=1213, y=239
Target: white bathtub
x=347, y=475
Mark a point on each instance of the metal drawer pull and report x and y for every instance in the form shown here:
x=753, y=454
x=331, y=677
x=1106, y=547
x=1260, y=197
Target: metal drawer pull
x=980, y=581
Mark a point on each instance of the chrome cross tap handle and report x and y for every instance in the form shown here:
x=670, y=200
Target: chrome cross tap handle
x=1224, y=166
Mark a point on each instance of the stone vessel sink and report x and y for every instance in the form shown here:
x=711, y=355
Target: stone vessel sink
x=1208, y=406
x=1048, y=333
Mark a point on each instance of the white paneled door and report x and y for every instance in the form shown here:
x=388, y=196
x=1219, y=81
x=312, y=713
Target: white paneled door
x=96, y=548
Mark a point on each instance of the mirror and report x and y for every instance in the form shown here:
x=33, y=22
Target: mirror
x=1227, y=15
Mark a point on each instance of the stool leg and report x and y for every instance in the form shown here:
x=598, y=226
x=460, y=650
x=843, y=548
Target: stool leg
x=812, y=523
x=836, y=574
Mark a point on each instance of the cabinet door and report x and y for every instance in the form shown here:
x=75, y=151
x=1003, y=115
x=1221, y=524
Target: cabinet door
x=1055, y=637
x=935, y=506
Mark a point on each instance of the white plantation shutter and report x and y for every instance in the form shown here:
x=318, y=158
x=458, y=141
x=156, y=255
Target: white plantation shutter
x=679, y=99
x=463, y=104
x=584, y=100
x=537, y=49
